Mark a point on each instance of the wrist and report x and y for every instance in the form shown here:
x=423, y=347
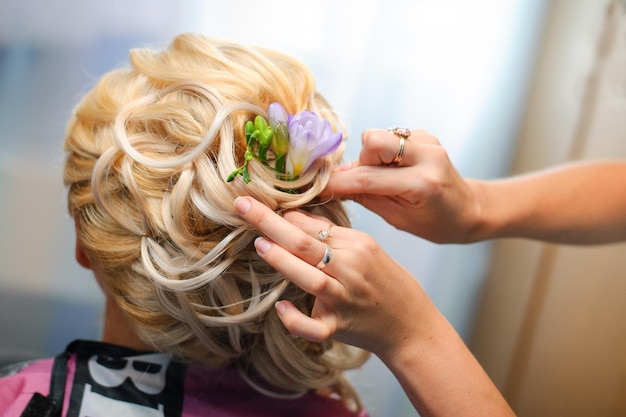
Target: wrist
x=413, y=338
x=440, y=375
x=482, y=219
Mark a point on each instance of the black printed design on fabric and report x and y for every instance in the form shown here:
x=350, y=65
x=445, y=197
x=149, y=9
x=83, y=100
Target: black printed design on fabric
x=115, y=381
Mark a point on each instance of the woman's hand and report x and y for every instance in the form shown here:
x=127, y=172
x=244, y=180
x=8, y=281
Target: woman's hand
x=363, y=297
x=422, y=194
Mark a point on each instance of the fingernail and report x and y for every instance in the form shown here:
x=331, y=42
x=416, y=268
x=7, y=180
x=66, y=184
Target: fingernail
x=262, y=245
x=242, y=205
x=346, y=167
x=280, y=307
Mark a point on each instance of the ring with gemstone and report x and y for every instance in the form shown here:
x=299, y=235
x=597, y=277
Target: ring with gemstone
x=403, y=133
x=325, y=234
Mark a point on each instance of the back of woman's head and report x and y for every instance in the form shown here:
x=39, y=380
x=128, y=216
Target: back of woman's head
x=149, y=149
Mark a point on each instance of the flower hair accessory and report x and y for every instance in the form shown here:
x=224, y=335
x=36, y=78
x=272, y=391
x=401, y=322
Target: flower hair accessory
x=293, y=142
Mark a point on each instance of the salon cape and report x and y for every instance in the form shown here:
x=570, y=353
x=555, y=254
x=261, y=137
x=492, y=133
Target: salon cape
x=94, y=379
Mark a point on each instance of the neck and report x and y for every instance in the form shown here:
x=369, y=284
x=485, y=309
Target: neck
x=117, y=328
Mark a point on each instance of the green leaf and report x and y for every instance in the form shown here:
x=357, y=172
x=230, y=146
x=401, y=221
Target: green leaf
x=263, y=153
x=280, y=163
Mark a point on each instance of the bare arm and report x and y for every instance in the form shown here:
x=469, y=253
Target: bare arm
x=578, y=203
x=441, y=376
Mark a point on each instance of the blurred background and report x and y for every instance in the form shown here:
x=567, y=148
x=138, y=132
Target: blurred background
x=507, y=86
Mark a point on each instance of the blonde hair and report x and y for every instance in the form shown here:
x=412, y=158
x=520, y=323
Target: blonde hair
x=148, y=151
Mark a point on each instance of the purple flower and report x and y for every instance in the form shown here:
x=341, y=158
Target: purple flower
x=277, y=114
x=310, y=138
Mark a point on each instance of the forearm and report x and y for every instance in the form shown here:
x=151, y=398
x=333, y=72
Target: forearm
x=440, y=375
x=578, y=203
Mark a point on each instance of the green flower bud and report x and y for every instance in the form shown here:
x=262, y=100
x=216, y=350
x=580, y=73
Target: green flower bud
x=280, y=141
x=265, y=137
x=260, y=123
x=249, y=129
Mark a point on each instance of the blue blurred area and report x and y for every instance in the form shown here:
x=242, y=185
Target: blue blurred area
x=44, y=325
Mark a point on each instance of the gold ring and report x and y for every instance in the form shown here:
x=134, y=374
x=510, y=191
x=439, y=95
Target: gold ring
x=403, y=133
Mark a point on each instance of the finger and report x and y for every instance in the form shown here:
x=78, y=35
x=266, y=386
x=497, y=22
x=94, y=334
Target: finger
x=376, y=180
x=308, y=278
x=391, y=209
x=280, y=230
x=314, y=225
x=301, y=325
x=380, y=147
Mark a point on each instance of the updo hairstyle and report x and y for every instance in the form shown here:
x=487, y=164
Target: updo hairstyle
x=148, y=152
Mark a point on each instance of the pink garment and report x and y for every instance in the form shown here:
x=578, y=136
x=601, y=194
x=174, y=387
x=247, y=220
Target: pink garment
x=106, y=380
x=16, y=390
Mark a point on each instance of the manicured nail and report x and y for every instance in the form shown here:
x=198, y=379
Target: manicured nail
x=242, y=205
x=262, y=245
x=280, y=307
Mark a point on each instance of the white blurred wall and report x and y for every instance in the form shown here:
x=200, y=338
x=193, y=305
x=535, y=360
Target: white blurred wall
x=550, y=331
